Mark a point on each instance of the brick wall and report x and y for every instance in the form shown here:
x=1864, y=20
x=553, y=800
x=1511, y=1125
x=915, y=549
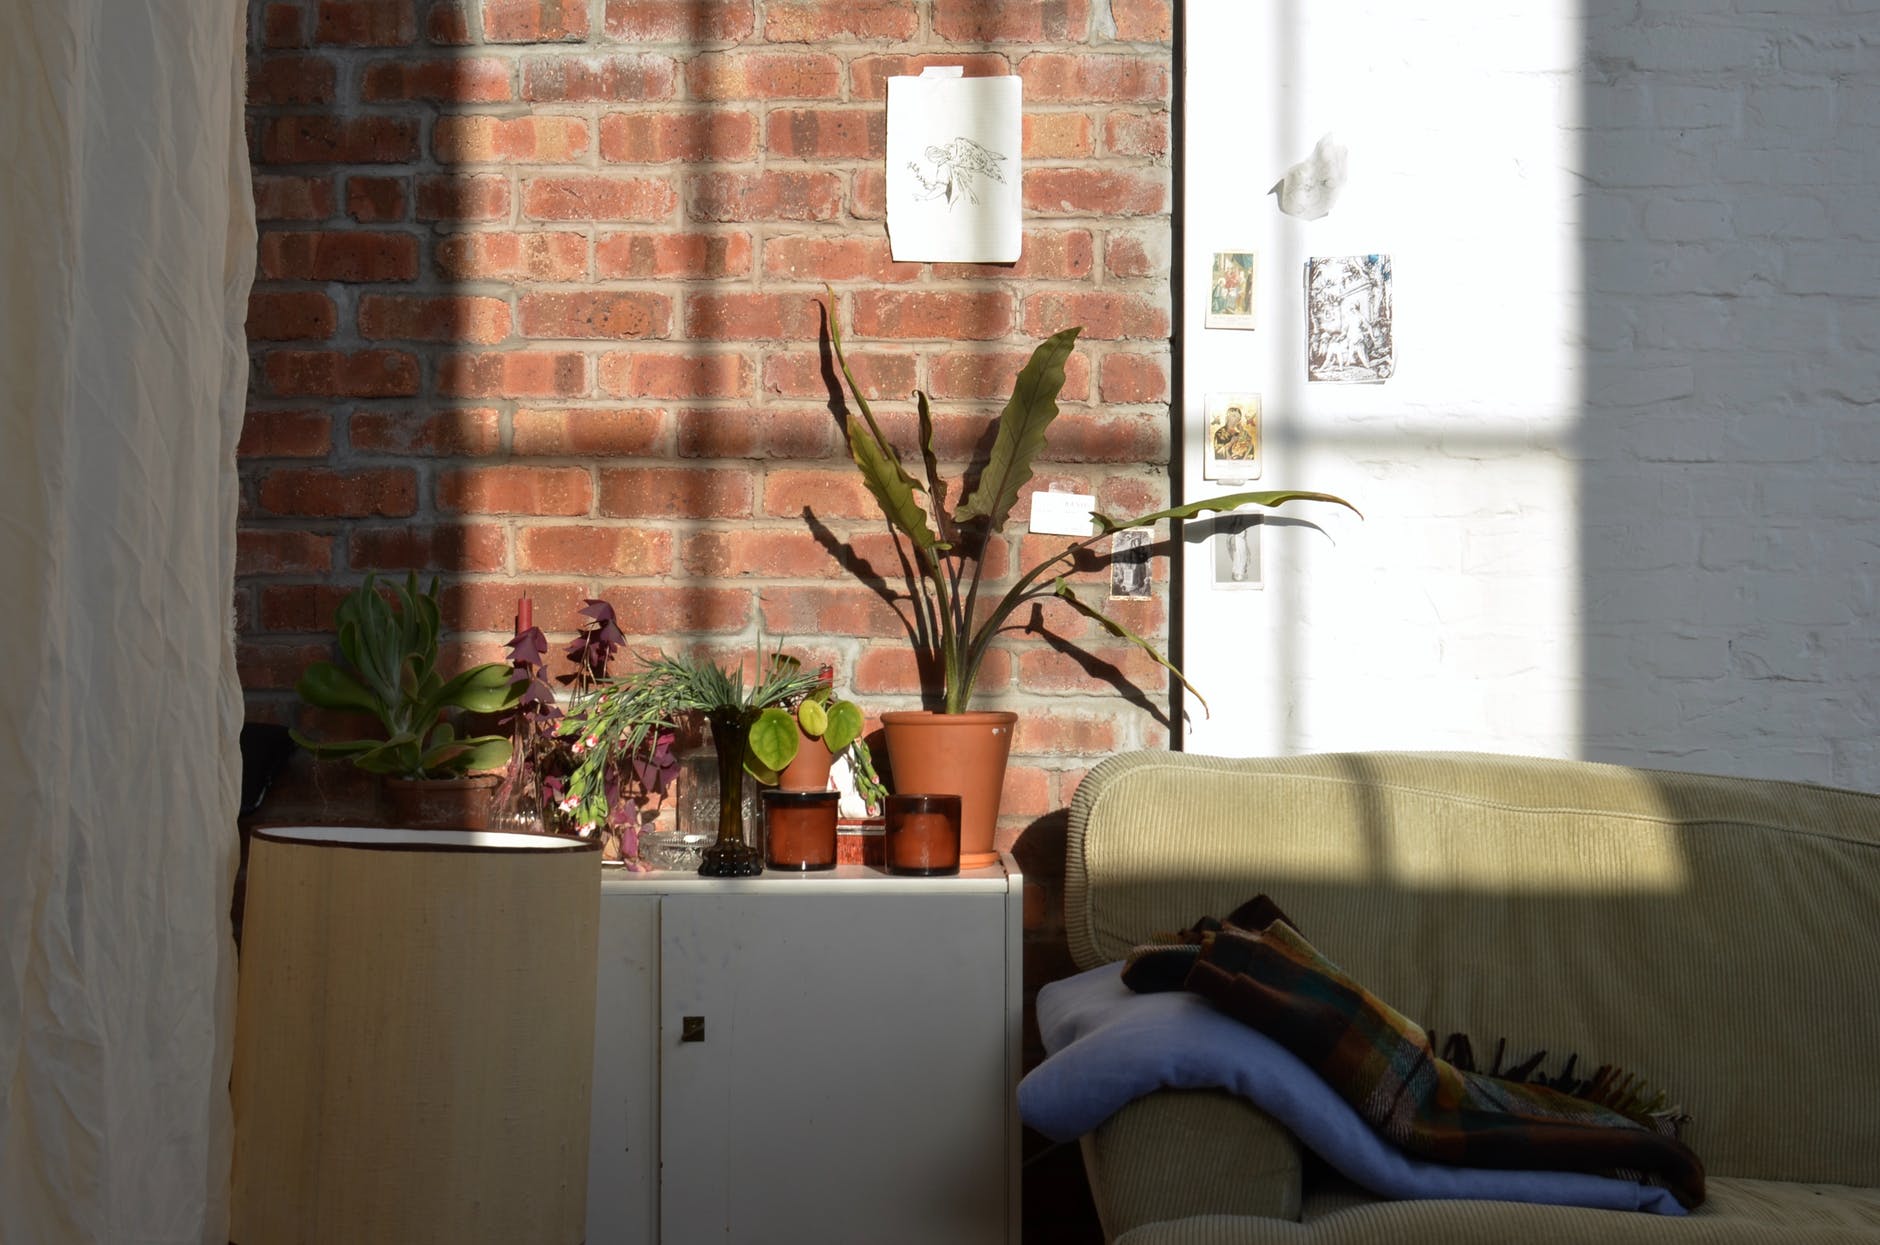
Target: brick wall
x=536, y=311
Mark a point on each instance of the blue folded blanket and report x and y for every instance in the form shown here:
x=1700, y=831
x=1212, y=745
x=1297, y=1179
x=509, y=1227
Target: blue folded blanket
x=1109, y=1046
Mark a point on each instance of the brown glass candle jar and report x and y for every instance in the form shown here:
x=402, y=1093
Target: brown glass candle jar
x=922, y=836
x=800, y=830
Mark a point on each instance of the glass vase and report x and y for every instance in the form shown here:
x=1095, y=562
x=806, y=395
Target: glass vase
x=732, y=855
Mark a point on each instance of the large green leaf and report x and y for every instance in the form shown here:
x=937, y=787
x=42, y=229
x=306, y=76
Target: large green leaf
x=460, y=756
x=1121, y=632
x=813, y=718
x=481, y=689
x=936, y=487
x=845, y=726
x=882, y=473
x=1232, y=501
x=349, y=747
x=890, y=485
x=773, y=739
x=425, y=623
x=325, y=686
x=1022, y=426
x=401, y=756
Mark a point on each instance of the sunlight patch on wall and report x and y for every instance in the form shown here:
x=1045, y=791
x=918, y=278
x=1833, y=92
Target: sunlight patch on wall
x=1449, y=618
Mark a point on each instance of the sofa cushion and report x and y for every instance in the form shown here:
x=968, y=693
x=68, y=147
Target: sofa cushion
x=1716, y=936
x=1737, y=1212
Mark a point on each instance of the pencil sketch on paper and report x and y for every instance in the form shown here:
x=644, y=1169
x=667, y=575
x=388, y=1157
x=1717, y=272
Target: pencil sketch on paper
x=953, y=165
x=1349, y=333
x=956, y=166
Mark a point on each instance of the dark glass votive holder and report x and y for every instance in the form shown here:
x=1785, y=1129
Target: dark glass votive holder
x=800, y=830
x=922, y=835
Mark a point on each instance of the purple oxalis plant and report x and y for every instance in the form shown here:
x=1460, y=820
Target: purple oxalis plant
x=544, y=755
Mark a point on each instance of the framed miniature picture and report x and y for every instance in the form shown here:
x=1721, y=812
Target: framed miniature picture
x=1236, y=548
x=1230, y=289
x=1231, y=450
x=1129, y=564
x=1350, y=330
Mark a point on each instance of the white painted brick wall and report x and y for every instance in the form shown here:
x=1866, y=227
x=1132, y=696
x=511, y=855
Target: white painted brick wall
x=1623, y=498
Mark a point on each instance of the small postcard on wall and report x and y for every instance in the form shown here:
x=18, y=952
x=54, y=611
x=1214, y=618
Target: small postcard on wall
x=1129, y=564
x=953, y=167
x=1232, y=449
x=1236, y=544
x=1350, y=337
x=1231, y=289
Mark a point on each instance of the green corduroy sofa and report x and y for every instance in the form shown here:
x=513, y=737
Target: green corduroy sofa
x=1718, y=937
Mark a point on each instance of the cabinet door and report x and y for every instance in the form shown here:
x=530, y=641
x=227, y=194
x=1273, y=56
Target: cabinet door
x=851, y=1084
x=623, y=1133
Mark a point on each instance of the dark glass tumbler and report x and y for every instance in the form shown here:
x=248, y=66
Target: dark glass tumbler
x=922, y=838
x=800, y=830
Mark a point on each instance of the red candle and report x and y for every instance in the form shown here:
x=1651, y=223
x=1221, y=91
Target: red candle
x=922, y=834
x=525, y=615
x=800, y=829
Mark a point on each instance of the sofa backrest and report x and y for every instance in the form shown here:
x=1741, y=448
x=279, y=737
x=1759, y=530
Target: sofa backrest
x=1718, y=937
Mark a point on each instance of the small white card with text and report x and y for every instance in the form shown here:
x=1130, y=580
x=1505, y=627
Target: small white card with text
x=1062, y=514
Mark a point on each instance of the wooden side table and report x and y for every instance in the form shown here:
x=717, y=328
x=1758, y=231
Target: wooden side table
x=807, y=1057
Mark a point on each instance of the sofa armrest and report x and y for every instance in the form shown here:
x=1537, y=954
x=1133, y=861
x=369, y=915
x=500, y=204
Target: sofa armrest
x=1178, y=1153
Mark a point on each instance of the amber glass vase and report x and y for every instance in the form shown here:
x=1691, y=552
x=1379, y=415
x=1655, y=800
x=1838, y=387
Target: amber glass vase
x=732, y=855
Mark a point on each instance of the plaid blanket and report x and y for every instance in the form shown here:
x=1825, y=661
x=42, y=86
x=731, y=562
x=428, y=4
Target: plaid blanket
x=1257, y=968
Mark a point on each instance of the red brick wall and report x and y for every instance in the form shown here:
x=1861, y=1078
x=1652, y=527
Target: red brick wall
x=536, y=311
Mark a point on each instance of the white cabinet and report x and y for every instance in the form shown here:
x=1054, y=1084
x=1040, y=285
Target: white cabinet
x=826, y=1058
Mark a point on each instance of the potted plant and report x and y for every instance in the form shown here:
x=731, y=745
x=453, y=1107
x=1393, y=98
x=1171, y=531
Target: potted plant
x=389, y=653
x=795, y=745
x=534, y=793
x=953, y=629
x=622, y=716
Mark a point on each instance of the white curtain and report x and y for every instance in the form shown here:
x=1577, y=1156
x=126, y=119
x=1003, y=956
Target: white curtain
x=126, y=245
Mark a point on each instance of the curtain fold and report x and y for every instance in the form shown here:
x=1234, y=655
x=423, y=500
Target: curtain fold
x=126, y=253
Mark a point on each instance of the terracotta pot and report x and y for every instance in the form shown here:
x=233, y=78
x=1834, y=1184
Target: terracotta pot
x=809, y=769
x=959, y=754
x=442, y=803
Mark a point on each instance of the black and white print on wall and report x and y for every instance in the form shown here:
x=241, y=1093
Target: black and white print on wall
x=1232, y=449
x=1349, y=334
x=1236, y=546
x=1129, y=564
x=953, y=167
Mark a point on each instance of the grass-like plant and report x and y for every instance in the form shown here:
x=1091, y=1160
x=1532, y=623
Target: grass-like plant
x=952, y=630
x=624, y=716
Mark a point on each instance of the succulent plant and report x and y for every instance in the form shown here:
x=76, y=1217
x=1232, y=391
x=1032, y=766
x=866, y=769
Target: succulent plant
x=389, y=654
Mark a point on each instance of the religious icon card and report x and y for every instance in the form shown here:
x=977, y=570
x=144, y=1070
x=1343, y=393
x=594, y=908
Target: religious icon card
x=1231, y=450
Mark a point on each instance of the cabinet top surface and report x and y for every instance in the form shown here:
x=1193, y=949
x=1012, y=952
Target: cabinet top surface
x=843, y=879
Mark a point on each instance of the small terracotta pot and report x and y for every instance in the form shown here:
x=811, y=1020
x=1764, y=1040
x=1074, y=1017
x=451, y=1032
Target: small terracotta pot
x=442, y=803
x=809, y=769
x=959, y=754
